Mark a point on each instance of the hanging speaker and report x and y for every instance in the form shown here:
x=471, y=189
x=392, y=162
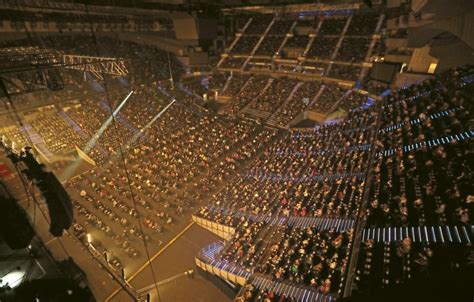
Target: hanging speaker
x=15, y=227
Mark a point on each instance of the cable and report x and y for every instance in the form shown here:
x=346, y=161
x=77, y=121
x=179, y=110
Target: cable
x=30, y=141
x=133, y=197
x=19, y=173
x=36, y=203
x=129, y=182
x=24, y=182
x=127, y=174
x=17, y=117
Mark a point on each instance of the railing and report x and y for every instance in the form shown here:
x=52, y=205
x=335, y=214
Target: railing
x=319, y=223
x=227, y=270
x=220, y=230
x=447, y=139
x=298, y=292
x=427, y=234
x=361, y=219
x=208, y=253
x=97, y=256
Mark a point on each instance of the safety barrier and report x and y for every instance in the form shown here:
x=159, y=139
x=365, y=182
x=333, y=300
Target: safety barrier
x=223, y=231
x=206, y=260
x=426, y=234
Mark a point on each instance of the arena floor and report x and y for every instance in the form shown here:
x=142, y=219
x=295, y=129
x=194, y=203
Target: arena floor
x=174, y=255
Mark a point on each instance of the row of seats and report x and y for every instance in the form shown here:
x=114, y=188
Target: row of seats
x=422, y=190
x=323, y=46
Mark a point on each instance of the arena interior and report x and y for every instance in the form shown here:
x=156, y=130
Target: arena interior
x=247, y=151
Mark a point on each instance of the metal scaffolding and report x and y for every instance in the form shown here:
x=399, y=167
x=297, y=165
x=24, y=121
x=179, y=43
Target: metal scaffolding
x=30, y=68
x=96, y=65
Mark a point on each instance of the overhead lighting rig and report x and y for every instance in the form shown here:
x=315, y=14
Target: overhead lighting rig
x=28, y=69
x=96, y=65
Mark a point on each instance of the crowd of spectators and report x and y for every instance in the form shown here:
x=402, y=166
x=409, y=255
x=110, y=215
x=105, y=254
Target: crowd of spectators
x=178, y=161
x=276, y=97
x=345, y=72
x=354, y=101
x=185, y=153
x=363, y=25
x=269, y=45
x=236, y=83
x=328, y=98
x=277, y=93
x=281, y=26
x=89, y=115
x=423, y=187
x=312, y=67
x=383, y=265
x=216, y=81
x=252, y=90
x=306, y=23
x=64, y=22
x=183, y=159
x=259, y=24
x=322, y=48
x=232, y=62
x=291, y=178
x=260, y=64
x=50, y=129
x=300, y=100
x=332, y=26
x=427, y=186
x=47, y=124
x=353, y=49
x=284, y=179
x=12, y=133
x=241, y=20
x=245, y=45
x=310, y=257
x=209, y=83
x=254, y=142
x=297, y=41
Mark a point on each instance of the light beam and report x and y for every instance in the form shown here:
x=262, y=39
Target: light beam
x=91, y=143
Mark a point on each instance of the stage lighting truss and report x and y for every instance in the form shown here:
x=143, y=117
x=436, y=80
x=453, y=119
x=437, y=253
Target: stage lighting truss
x=96, y=65
x=15, y=59
x=32, y=68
